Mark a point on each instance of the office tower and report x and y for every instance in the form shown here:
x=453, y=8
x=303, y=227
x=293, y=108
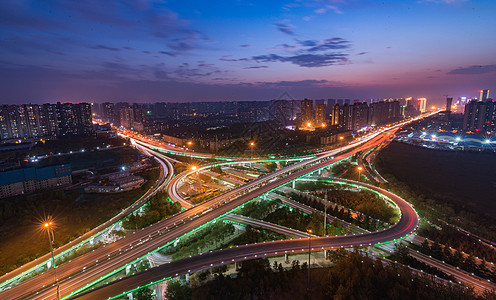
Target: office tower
x=480, y=117
x=422, y=104
x=484, y=95
x=320, y=115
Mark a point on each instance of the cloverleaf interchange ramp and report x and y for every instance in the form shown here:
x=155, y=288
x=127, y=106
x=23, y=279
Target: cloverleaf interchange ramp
x=407, y=224
x=97, y=266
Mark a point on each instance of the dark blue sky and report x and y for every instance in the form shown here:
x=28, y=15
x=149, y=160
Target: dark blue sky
x=148, y=51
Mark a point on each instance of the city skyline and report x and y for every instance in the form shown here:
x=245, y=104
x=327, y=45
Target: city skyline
x=152, y=51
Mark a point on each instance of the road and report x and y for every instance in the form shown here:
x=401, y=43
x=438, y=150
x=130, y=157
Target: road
x=167, y=171
x=266, y=225
x=149, y=239
x=405, y=226
x=101, y=263
x=480, y=285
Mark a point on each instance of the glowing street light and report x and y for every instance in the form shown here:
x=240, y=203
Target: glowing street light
x=360, y=169
x=51, y=239
x=252, y=146
x=309, y=124
x=190, y=143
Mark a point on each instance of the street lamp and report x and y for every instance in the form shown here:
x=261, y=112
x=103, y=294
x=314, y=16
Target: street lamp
x=309, y=231
x=252, y=146
x=360, y=169
x=51, y=240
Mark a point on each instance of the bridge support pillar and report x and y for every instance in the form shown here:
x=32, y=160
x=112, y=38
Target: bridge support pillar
x=49, y=264
x=130, y=296
x=128, y=268
x=325, y=254
x=370, y=249
x=293, y=184
x=187, y=278
x=236, y=266
x=286, y=258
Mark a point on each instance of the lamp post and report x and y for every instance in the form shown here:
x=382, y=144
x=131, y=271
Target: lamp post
x=309, y=231
x=195, y=169
x=252, y=146
x=51, y=239
x=360, y=169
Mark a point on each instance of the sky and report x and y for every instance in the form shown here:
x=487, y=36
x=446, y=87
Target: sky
x=178, y=51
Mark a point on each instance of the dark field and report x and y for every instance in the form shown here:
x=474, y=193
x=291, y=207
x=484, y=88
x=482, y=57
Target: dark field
x=465, y=179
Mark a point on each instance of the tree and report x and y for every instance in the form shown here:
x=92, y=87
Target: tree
x=143, y=294
x=177, y=291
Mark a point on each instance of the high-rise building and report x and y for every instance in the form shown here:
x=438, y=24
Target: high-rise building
x=384, y=112
x=307, y=111
x=484, y=95
x=83, y=116
x=422, y=105
x=108, y=112
x=126, y=116
x=449, y=102
x=320, y=115
x=31, y=121
x=359, y=117
x=74, y=119
x=342, y=116
x=480, y=117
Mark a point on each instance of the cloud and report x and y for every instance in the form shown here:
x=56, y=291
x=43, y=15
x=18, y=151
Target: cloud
x=284, y=28
x=225, y=58
x=181, y=46
x=308, y=43
x=305, y=54
x=475, y=69
x=362, y=53
x=256, y=67
x=168, y=53
x=283, y=47
x=297, y=83
x=444, y=1
x=306, y=60
x=245, y=46
x=102, y=47
x=327, y=8
x=331, y=44
x=161, y=74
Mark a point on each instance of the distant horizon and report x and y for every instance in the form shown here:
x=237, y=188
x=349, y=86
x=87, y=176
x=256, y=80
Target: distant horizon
x=368, y=100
